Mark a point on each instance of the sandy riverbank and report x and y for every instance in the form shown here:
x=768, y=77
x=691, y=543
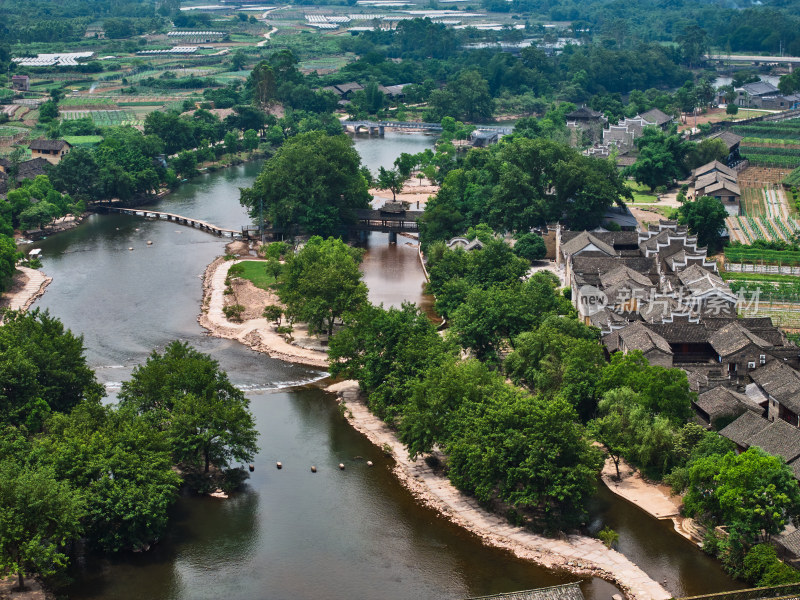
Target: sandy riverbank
x=256, y=333
x=577, y=554
x=28, y=286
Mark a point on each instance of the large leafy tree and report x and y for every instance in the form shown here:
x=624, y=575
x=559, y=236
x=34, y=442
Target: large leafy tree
x=753, y=493
x=706, y=219
x=562, y=357
x=124, y=466
x=322, y=282
x=661, y=157
x=313, y=183
x=39, y=515
x=386, y=350
x=42, y=369
x=661, y=391
x=185, y=393
x=489, y=317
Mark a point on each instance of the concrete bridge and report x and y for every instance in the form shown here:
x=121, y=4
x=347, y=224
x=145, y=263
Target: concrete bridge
x=188, y=221
x=378, y=127
x=755, y=59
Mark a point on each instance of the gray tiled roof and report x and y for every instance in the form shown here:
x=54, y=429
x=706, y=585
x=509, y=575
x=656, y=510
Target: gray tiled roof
x=712, y=167
x=624, y=273
x=773, y=437
x=584, y=239
x=656, y=116
x=638, y=337
x=732, y=338
x=720, y=402
x=760, y=88
x=730, y=138
x=743, y=428
x=45, y=144
x=781, y=382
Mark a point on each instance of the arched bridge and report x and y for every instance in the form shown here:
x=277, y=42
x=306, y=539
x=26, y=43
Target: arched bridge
x=188, y=221
x=379, y=126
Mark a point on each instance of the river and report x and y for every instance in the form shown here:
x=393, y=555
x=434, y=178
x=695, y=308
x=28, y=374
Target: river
x=291, y=534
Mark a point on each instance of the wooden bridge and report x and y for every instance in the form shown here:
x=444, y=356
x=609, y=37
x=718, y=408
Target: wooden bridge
x=379, y=127
x=188, y=221
x=386, y=222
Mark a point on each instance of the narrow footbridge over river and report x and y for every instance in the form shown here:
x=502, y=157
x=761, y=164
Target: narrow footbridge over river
x=405, y=221
x=380, y=126
x=188, y=221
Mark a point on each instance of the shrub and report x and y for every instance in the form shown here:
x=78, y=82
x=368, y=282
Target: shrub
x=608, y=536
x=233, y=312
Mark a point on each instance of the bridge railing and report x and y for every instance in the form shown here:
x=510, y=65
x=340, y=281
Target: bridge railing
x=775, y=592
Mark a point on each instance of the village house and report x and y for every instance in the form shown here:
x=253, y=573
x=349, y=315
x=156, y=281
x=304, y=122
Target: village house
x=718, y=181
x=587, y=120
x=50, y=150
x=21, y=83
x=732, y=141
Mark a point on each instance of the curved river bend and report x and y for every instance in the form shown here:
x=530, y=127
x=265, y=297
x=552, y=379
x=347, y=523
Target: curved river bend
x=291, y=534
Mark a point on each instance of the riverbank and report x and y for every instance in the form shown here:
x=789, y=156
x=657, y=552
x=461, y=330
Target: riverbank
x=653, y=498
x=256, y=333
x=28, y=285
x=577, y=554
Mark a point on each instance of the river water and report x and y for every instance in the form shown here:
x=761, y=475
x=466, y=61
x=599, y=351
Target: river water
x=291, y=534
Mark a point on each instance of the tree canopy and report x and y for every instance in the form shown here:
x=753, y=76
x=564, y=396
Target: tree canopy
x=322, y=282
x=313, y=183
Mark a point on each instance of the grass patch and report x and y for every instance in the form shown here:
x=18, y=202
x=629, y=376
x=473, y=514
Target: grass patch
x=83, y=140
x=255, y=271
x=641, y=192
x=763, y=277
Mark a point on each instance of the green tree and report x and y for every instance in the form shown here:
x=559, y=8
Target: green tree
x=250, y=140
x=753, y=493
x=39, y=515
x=231, y=142
x=262, y=81
x=472, y=98
x=124, y=467
x=206, y=417
x=48, y=111
x=661, y=157
x=313, y=183
x=238, y=60
x=662, y=391
x=731, y=109
x=529, y=452
x=8, y=261
x=322, y=283
x=705, y=218
x=42, y=369
x=390, y=179
x=530, y=247
x=705, y=152
x=387, y=351
x=561, y=357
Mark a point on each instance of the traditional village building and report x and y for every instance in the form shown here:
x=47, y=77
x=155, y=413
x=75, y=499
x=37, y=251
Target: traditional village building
x=732, y=141
x=589, y=121
x=21, y=83
x=718, y=181
x=720, y=406
x=50, y=150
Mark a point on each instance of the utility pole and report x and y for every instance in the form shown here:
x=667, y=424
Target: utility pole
x=261, y=218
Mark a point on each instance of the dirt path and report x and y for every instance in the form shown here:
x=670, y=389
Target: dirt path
x=267, y=36
x=577, y=554
x=259, y=334
x=29, y=284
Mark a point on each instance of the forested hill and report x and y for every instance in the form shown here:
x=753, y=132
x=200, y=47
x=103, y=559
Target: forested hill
x=26, y=21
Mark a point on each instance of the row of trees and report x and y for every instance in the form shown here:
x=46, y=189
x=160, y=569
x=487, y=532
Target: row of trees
x=73, y=468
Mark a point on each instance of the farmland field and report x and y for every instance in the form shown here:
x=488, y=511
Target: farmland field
x=103, y=118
